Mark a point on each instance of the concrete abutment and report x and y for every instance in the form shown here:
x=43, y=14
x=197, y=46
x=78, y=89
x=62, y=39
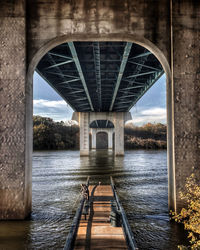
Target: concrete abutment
x=172, y=33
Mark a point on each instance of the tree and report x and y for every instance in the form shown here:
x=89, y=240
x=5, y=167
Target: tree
x=48, y=134
x=190, y=216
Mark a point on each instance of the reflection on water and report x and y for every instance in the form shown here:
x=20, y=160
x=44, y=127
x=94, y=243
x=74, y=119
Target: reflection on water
x=141, y=180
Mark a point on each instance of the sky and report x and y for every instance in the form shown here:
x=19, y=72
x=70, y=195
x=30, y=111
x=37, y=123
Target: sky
x=150, y=108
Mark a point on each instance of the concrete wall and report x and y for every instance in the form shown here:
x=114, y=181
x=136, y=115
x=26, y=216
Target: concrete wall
x=15, y=131
x=28, y=32
x=186, y=88
x=102, y=18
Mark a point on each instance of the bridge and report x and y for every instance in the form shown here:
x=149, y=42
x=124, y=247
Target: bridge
x=100, y=77
x=118, y=43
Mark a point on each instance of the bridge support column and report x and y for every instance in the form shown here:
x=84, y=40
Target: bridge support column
x=84, y=133
x=93, y=139
x=110, y=140
x=119, y=133
x=16, y=116
x=185, y=136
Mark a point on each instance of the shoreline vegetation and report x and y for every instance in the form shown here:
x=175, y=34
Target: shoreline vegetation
x=51, y=135
x=190, y=214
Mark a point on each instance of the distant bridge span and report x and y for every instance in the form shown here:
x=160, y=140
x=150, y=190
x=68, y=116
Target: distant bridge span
x=100, y=77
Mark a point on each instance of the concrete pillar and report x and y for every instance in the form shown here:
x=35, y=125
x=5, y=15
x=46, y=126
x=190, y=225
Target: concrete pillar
x=110, y=141
x=186, y=96
x=16, y=114
x=84, y=133
x=93, y=139
x=119, y=133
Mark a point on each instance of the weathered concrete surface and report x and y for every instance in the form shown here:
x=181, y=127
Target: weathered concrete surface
x=15, y=168
x=186, y=84
x=27, y=33
x=103, y=19
x=119, y=133
x=84, y=133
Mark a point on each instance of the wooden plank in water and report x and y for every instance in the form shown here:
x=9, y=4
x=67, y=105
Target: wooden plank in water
x=96, y=231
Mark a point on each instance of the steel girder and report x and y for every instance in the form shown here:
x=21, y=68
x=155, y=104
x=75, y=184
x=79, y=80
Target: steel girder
x=100, y=76
x=80, y=72
x=121, y=72
x=96, y=52
x=141, y=70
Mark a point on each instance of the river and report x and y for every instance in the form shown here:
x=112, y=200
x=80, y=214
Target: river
x=141, y=180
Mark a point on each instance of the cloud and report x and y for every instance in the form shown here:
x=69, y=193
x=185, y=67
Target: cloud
x=50, y=104
x=153, y=115
x=61, y=111
x=155, y=111
x=57, y=110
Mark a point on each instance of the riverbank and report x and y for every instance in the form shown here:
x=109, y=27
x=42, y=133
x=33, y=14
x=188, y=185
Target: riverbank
x=51, y=135
x=141, y=143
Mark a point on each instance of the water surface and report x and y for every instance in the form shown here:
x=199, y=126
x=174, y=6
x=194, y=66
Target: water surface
x=141, y=180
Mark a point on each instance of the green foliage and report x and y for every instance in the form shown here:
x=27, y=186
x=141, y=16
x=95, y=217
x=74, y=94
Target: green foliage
x=190, y=216
x=48, y=134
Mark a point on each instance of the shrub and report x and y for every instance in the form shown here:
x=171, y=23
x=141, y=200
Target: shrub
x=48, y=134
x=190, y=216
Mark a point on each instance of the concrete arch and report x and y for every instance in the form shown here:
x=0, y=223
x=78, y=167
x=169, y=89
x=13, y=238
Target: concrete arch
x=108, y=37
x=95, y=131
x=104, y=130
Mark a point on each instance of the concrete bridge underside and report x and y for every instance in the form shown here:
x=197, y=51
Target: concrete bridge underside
x=168, y=29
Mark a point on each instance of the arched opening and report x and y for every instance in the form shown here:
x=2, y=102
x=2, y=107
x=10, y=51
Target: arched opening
x=164, y=63
x=102, y=140
x=137, y=40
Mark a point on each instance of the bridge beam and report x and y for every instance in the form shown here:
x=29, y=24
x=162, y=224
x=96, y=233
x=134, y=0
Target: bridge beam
x=78, y=66
x=121, y=71
x=96, y=52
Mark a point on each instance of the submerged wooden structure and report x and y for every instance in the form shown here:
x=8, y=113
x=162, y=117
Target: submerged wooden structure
x=101, y=222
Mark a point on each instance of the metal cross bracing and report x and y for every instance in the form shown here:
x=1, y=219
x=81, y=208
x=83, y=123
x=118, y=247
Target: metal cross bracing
x=100, y=76
x=97, y=63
